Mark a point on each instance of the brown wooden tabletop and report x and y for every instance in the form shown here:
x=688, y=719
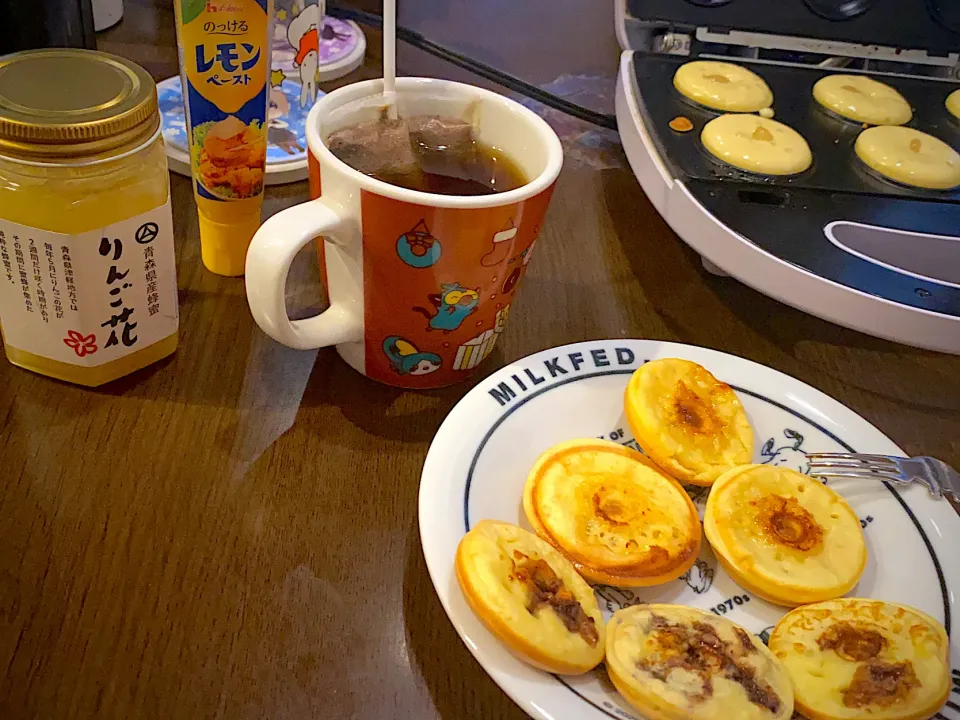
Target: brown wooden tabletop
x=233, y=532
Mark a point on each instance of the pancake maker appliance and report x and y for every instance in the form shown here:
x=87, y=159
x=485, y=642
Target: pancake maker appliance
x=836, y=241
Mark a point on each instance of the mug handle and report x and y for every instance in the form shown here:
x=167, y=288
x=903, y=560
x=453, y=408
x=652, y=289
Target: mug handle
x=269, y=257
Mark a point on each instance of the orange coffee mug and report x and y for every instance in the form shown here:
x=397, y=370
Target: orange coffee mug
x=420, y=284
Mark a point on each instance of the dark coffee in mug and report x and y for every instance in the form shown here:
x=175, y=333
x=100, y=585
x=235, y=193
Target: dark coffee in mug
x=429, y=153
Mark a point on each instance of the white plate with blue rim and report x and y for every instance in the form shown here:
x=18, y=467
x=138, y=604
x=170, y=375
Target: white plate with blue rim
x=479, y=459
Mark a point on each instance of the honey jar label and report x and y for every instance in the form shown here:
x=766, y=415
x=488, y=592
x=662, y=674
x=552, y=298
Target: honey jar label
x=92, y=298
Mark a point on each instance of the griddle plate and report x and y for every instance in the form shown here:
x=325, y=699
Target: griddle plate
x=786, y=216
x=932, y=25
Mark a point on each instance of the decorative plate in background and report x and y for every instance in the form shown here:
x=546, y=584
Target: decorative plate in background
x=340, y=45
x=480, y=457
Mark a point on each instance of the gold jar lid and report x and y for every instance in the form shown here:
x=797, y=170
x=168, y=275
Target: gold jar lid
x=70, y=103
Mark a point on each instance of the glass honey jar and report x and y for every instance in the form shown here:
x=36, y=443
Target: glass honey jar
x=88, y=289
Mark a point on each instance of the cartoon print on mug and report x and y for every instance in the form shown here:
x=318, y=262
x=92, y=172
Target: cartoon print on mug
x=475, y=350
x=407, y=359
x=393, y=288
x=451, y=306
x=520, y=263
x=502, y=244
x=371, y=291
x=418, y=247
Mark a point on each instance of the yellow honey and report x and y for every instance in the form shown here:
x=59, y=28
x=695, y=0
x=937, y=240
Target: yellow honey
x=85, y=216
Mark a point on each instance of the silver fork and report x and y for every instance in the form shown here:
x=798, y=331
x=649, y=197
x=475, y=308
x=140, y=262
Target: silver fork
x=935, y=475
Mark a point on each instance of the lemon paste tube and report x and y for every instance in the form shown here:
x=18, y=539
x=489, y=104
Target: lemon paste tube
x=224, y=64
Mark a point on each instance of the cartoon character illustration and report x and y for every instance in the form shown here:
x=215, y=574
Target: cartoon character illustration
x=764, y=634
x=417, y=247
x=502, y=243
x=699, y=577
x=525, y=255
x=407, y=359
x=615, y=598
x=453, y=304
x=520, y=263
x=278, y=131
x=789, y=456
x=279, y=105
x=284, y=139
x=512, y=280
x=304, y=38
x=500, y=322
x=329, y=32
x=699, y=495
x=474, y=351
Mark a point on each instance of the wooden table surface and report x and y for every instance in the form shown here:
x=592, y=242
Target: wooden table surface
x=233, y=532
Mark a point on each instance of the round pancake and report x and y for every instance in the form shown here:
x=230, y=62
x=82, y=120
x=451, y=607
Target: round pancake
x=783, y=535
x=862, y=99
x=531, y=598
x=853, y=658
x=678, y=663
x=909, y=157
x=953, y=103
x=613, y=513
x=686, y=421
x=757, y=144
x=722, y=86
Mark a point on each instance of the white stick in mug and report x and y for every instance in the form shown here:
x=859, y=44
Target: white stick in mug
x=390, y=57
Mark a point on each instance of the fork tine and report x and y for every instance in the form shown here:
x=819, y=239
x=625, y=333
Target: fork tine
x=847, y=461
x=951, y=484
x=828, y=473
x=834, y=462
x=934, y=474
x=861, y=467
x=856, y=457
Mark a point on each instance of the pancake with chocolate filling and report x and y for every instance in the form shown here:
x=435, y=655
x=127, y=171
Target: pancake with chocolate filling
x=678, y=663
x=783, y=535
x=615, y=515
x=852, y=658
x=686, y=421
x=531, y=598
